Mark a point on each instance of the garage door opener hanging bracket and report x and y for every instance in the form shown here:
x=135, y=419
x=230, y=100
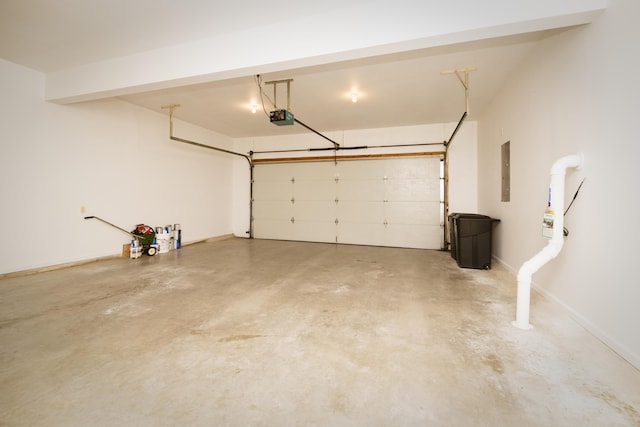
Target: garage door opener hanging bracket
x=460, y=72
x=336, y=146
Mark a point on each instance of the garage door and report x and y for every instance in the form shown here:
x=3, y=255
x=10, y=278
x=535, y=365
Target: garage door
x=392, y=201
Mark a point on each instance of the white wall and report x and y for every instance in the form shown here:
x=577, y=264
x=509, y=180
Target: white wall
x=111, y=157
x=462, y=157
x=577, y=93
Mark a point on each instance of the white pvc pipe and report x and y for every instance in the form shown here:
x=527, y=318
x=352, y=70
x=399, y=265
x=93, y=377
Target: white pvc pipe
x=553, y=248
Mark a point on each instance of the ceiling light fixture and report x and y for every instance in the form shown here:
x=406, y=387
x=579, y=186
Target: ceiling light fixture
x=254, y=107
x=354, y=97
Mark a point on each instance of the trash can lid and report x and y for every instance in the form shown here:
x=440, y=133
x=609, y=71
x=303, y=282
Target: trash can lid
x=468, y=215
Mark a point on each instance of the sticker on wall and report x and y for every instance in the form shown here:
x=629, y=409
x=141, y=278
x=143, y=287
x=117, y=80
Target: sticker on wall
x=547, y=223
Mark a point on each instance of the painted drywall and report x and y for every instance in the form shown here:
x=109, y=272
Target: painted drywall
x=110, y=157
x=462, y=158
x=576, y=93
x=302, y=40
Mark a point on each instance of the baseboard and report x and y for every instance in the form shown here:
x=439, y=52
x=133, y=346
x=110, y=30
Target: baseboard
x=90, y=260
x=219, y=238
x=56, y=266
x=606, y=339
x=511, y=270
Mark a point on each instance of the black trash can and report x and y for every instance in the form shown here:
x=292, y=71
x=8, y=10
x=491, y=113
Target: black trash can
x=471, y=236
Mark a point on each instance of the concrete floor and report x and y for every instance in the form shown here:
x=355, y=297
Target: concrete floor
x=266, y=333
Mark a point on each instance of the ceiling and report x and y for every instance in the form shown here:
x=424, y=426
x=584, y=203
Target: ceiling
x=401, y=89
x=396, y=88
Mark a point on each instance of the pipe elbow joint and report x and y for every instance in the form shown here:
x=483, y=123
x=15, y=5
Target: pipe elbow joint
x=548, y=253
x=562, y=164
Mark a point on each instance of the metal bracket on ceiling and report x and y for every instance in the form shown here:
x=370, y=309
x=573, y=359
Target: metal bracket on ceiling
x=275, y=84
x=171, y=108
x=463, y=76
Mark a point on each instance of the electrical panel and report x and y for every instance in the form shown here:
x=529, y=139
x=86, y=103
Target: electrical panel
x=281, y=117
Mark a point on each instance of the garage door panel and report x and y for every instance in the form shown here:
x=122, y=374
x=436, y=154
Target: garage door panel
x=360, y=170
x=360, y=212
x=272, y=172
x=315, y=231
x=314, y=190
x=272, y=209
x=273, y=229
x=412, y=212
x=314, y=210
x=361, y=234
x=413, y=168
x=412, y=189
x=272, y=190
x=312, y=171
x=413, y=236
x=360, y=189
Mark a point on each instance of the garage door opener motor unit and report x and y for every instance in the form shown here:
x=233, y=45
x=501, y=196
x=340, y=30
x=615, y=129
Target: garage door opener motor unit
x=281, y=117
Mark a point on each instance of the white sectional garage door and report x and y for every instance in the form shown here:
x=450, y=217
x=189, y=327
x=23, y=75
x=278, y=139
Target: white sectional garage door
x=392, y=201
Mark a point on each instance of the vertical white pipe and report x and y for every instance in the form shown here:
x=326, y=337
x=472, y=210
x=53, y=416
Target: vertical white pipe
x=553, y=247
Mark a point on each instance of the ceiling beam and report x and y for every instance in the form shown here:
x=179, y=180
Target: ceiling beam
x=381, y=29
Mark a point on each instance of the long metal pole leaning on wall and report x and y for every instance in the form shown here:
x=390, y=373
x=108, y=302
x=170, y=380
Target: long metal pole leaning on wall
x=171, y=108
